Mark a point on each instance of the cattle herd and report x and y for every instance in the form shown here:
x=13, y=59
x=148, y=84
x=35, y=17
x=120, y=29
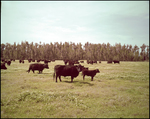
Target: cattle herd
x=68, y=69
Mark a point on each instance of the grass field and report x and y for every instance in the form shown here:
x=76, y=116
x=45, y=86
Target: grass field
x=118, y=91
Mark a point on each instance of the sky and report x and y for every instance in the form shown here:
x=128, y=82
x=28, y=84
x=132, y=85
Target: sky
x=125, y=22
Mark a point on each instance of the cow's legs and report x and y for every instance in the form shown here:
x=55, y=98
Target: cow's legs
x=56, y=77
x=60, y=78
x=71, y=79
x=83, y=77
x=33, y=71
x=91, y=78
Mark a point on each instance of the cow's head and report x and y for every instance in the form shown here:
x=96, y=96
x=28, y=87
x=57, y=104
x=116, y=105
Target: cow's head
x=97, y=71
x=46, y=66
x=79, y=67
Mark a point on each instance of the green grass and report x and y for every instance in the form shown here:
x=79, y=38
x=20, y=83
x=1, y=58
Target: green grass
x=118, y=91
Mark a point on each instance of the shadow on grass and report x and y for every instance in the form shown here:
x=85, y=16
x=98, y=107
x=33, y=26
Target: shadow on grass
x=45, y=73
x=79, y=83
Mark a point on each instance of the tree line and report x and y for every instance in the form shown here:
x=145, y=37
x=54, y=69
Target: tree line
x=72, y=51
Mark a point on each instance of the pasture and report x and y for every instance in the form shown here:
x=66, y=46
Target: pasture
x=118, y=91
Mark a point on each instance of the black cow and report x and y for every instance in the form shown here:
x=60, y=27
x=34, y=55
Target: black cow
x=91, y=73
x=47, y=61
x=33, y=60
x=109, y=62
x=21, y=61
x=3, y=60
x=38, y=60
x=8, y=63
x=37, y=66
x=90, y=62
x=29, y=60
x=67, y=70
x=3, y=66
x=116, y=61
x=94, y=61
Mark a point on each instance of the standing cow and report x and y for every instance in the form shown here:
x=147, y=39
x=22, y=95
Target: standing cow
x=67, y=70
x=91, y=73
x=8, y=63
x=3, y=66
x=37, y=66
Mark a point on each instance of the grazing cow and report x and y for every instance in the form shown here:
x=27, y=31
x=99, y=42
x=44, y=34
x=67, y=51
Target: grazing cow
x=14, y=60
x=38, y=60
x=3, y=66
x=47, y=61
x=37, y=66
x=81, y=61
x=33, y=60
x=67, y=70
x=116, y=61
x=8, y=63
x=20, y=61
x=29, y=60
x=90, y=62
x=94, y=61
x=109, y=62
x=91, y=73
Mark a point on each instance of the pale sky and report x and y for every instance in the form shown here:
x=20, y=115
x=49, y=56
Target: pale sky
x=125, y=22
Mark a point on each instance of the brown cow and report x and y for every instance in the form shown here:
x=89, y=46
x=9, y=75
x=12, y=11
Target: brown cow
x=91, y=73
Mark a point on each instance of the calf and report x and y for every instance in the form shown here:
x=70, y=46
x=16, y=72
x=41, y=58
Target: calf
x=67, y=70
x=8, y=63
x=37, y=66
x=91, y=73
x=3, y=66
